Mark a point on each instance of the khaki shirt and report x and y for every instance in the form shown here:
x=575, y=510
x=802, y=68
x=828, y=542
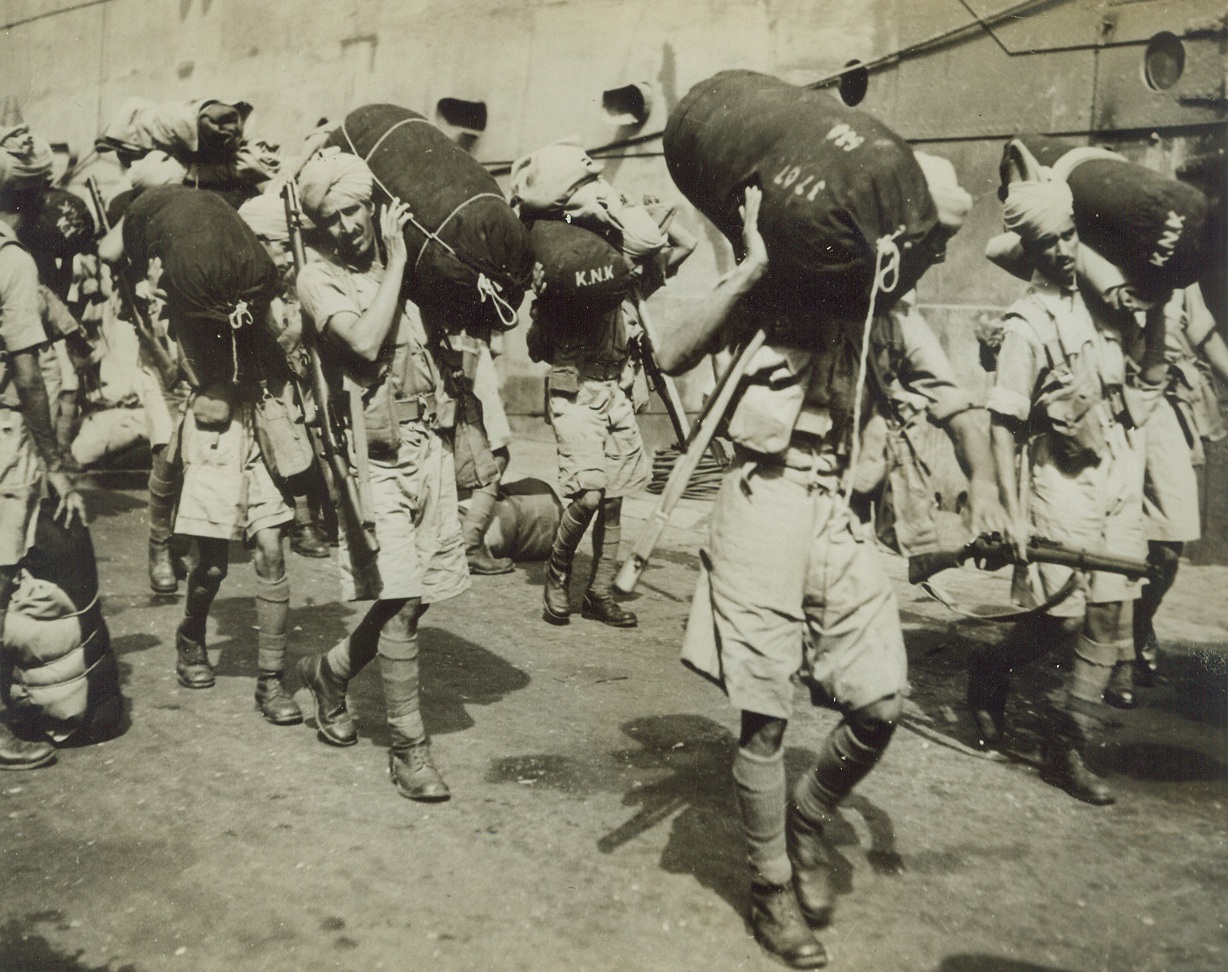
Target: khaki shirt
x=21, y=324
x=405, y=363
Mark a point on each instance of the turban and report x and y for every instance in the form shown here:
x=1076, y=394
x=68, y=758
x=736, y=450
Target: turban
x=336, y=177
x=1038, y=209
x=266, y=215
x=952, y=201
x=156, y=169
x=25, y=159
x=546, y=179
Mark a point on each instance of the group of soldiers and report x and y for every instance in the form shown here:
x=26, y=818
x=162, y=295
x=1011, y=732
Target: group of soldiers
x=1087, y=437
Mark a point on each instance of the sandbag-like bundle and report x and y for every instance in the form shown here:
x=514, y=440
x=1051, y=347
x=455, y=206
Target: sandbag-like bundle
x=583, y=273
x=469, y=254
x=64, y=676
x=216, y=274
x=834, y=181
x=1152, y=227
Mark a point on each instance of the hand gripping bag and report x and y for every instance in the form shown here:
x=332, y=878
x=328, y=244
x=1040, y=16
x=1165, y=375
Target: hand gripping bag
x=834, y=181
x=469, y=254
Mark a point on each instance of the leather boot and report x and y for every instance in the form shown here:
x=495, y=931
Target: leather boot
x=274, y=702
x=1062, y=766
x=483, y=562
x=333, y=723
x=305, y=540
x=162, y=579
x=607, y=611
x=779, y=927
x=556, y=600
x=17, y=754
x=1120, y=691
x=192, y=663
x=1146, y=657
x=477, y=520
x=414, y=774
x=988, y=687
x=811, y=868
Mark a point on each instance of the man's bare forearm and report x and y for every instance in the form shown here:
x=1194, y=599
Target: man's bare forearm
x=685, y=346
x=35, y=407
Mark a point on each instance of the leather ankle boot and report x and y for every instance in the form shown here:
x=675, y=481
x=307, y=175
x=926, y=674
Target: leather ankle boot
x=305, y=540
x=607, y=611
x=275, y=703
x=779, y=927
x=1120, y=690
x=162, y=579
x=556, y=600
x=1146, y=658
x=811, y=868
x=483, y=562
x=192, y=663
x=17, y=754
x=414, y=774
x=1062, y=766
x=333, y=723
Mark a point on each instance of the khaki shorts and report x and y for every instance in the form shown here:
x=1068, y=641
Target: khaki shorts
x=421, y=550
x=227, y=491
x=1170, y=493
x=598, y=440
x=21, y=482
x=1099, y=508
x=789, y=588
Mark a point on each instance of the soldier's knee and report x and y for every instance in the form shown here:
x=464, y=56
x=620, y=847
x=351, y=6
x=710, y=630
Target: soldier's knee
x=1069, y=626
x=874, y=724
x=590, y=499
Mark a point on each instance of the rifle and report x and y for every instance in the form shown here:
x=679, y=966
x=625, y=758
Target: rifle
x=146, y=331
x=350, y=486
x=701, y=435
x=665, y=388
x=991, y=552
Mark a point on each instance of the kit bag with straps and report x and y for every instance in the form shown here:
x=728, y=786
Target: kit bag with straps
x=469, y=253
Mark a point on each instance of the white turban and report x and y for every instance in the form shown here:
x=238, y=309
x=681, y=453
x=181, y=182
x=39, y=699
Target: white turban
x=1036, y=210
x=266, y=215
x=25, y=159
x=334, y=176
x=951, y=200
x=154, y=169
x=546, y=179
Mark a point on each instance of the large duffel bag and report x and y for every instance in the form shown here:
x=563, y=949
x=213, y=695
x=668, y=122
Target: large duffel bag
x=469, y=254
x=1152, y=227
x=834, y=181
x=216, y=274
x=64, y=675
x=583, y=273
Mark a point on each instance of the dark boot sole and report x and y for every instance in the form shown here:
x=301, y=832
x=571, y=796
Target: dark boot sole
x=1089, y=798
x=31, y=764
x=288, y=721
x=593, y=616
x=166, y=589
x=196, y=685
x=558, y=619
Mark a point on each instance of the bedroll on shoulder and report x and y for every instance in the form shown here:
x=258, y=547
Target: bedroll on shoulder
x=1152, y=227
x=468, y=251
x=834, y=181
x=583, y=273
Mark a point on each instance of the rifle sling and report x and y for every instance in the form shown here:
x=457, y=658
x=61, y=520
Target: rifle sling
x=949, y=602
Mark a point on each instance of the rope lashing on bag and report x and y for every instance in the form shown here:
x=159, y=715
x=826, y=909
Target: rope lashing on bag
x=485, y=286
x=886, y=276
x=488, y=288
x=239, y=317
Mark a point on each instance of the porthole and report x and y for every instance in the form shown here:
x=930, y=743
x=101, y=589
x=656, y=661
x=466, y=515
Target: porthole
x=469, y=116
x=854, y=82
x=1164, y=61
